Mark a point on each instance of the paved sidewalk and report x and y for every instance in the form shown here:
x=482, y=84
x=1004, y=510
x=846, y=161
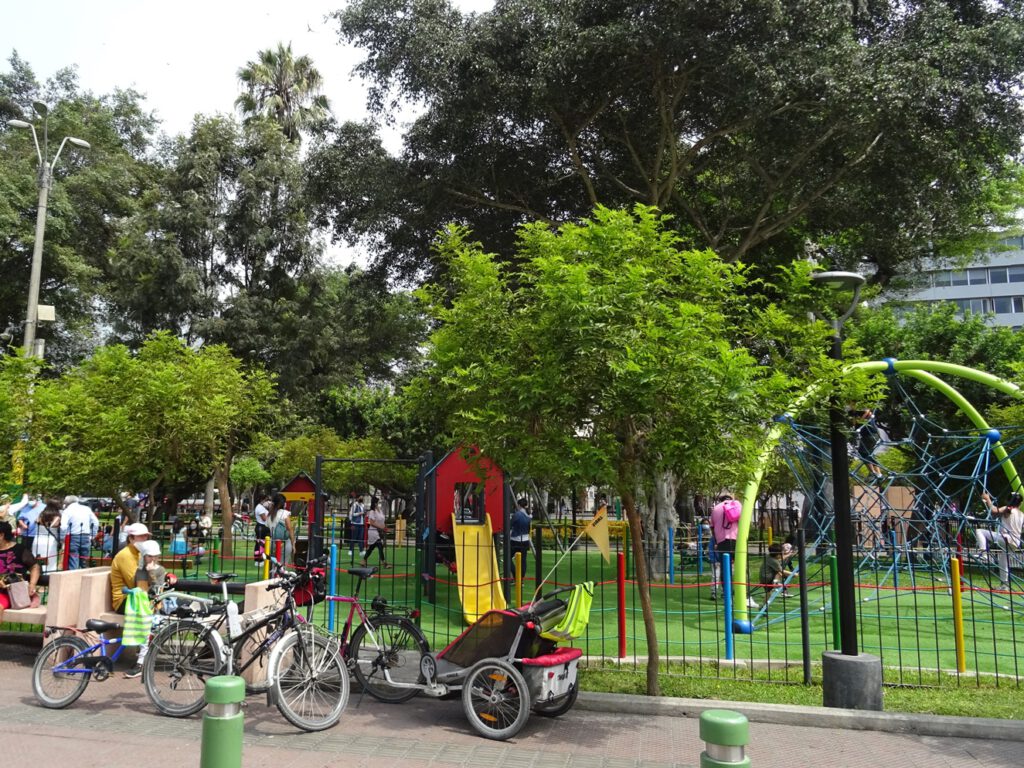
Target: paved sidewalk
x=113, y=725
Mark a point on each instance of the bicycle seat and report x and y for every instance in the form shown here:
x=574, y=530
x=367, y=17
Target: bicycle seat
x=217, y=577
x=98, y=625
x=364, y=573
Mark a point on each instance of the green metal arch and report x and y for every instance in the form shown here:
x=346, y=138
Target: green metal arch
x=923, y=370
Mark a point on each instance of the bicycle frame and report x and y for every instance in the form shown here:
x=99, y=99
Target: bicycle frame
x=88, y=659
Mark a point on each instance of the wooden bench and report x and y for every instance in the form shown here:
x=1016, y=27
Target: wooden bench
x=63, y=596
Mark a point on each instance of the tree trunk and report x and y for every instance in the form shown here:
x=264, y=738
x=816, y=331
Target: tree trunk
x=220, y=477
x=664, y=520
x=643, y=588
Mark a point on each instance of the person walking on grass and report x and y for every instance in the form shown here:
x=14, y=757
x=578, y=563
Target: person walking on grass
x=375, y=532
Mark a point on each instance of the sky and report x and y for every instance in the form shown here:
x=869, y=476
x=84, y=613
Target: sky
x=183, y=56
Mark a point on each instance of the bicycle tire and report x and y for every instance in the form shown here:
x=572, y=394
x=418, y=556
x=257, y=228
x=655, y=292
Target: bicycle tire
x=396, y=645
x=310, y=681
x=560, y=706
x=45, y=680
x=496, y=699
x=182, y=657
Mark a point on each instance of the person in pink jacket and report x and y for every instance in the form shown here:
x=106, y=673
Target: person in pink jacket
x=725, y=518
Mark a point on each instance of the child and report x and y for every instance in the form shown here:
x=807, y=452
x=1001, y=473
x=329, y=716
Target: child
x=772, y=571
x=153, y=579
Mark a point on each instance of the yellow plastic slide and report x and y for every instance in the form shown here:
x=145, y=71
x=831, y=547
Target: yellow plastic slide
x=479, y=579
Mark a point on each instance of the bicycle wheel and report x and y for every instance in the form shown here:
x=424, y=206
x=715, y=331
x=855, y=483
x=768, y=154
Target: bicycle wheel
x=388, y=654
x=182, y=657
x=56, y=690
x=495, y=699
x=310, y=681
x=560, y=706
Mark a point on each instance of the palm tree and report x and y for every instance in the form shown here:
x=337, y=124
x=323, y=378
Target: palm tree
x=283, y=88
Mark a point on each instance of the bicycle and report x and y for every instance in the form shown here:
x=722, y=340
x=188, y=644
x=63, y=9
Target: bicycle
x=64, y=667
x=385, y=649
x=189, y=650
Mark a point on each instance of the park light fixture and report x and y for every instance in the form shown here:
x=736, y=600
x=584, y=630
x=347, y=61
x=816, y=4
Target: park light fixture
x=44, y=180
x=850, y=679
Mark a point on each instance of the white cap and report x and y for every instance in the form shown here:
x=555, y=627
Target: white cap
x=136, y=529
x=150, y=547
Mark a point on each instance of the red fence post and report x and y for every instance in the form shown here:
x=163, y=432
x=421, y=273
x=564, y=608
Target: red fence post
x=67, y=552
x=622, y=604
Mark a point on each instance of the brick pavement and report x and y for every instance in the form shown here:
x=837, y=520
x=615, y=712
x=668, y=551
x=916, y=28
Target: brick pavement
x=113, y=725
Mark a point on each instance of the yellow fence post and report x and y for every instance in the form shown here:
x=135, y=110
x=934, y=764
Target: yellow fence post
x=958, y=618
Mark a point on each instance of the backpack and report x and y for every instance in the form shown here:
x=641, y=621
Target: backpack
x=732, y=510
x=280, y=532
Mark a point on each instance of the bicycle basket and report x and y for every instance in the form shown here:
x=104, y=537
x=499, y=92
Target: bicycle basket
x=312, y=589
x=577, y=615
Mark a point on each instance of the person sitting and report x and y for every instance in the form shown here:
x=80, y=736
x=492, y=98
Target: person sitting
x=125, y=565
x=773, y=573
x=153, y=578
x=16, y=562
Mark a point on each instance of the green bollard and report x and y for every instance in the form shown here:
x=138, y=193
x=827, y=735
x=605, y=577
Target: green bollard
x=222, y=723
x=725, y=735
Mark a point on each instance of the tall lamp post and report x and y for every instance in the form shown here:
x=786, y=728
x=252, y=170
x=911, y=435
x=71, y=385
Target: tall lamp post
x=45, y=179
x=850, y=680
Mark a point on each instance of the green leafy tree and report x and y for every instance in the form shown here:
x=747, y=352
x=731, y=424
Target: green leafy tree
x=609, y=356
x=285, y=89
x=873, y=131
x=247, y=474
x=124, y=420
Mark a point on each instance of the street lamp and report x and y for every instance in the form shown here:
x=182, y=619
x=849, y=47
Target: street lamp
x=850, y=679
x=45, y=179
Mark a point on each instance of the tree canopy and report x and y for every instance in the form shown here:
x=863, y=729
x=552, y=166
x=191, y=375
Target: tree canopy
x=870, y=131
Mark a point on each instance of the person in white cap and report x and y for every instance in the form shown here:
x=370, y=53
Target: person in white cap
x=125, y=565
x=81, y=523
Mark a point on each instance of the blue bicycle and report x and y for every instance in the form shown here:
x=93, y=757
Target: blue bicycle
x=66, y=664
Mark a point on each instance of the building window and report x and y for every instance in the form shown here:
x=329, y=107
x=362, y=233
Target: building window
x=1003, y=305
x=1016, y=274
x=941, y=278
x=959, y=278
x=997, y=275
x=977, y=276
x=1018, y=303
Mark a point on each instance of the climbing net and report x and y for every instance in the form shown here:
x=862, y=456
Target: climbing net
x=916, y=497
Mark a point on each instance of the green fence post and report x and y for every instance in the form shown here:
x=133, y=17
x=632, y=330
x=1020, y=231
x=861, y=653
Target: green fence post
x=222, y=723
x=725, y=735
x=833, y=576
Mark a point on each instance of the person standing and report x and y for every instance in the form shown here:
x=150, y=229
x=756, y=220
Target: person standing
x=519, y=532
x=27, y=518
x=81, y=523
x=1007, y=537
x=281, y=530
x=261, y=515
x=375, y=531
x=46, y=543
x=357, y=525
x=725, y=516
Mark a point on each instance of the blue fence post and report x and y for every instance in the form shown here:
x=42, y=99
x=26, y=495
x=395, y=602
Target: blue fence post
x=727, y=602
x=671, y=555
x=332, y=584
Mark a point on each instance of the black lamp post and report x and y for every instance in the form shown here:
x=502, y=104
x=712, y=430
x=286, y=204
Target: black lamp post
x=850, y=679
x=841, y=470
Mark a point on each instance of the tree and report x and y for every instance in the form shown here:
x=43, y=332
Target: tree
x=872, y=131
x=284, y=89
x=124, y=420
x=609, y=356
x=16, y=376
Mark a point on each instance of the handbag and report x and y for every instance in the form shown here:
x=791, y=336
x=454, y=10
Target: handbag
x=17, y=591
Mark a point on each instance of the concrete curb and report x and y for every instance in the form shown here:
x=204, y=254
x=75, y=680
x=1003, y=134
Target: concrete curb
x=813, y=717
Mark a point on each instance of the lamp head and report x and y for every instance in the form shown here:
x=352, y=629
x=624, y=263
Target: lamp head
x=41, y=109
x=838, y=281
x=80, y=142
x=19, y=124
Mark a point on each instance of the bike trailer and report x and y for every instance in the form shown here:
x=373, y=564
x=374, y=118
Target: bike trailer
x=552, y=675
x=577, y=615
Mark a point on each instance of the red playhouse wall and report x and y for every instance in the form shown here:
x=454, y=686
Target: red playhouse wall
x=301, y=488
x=456, y=468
